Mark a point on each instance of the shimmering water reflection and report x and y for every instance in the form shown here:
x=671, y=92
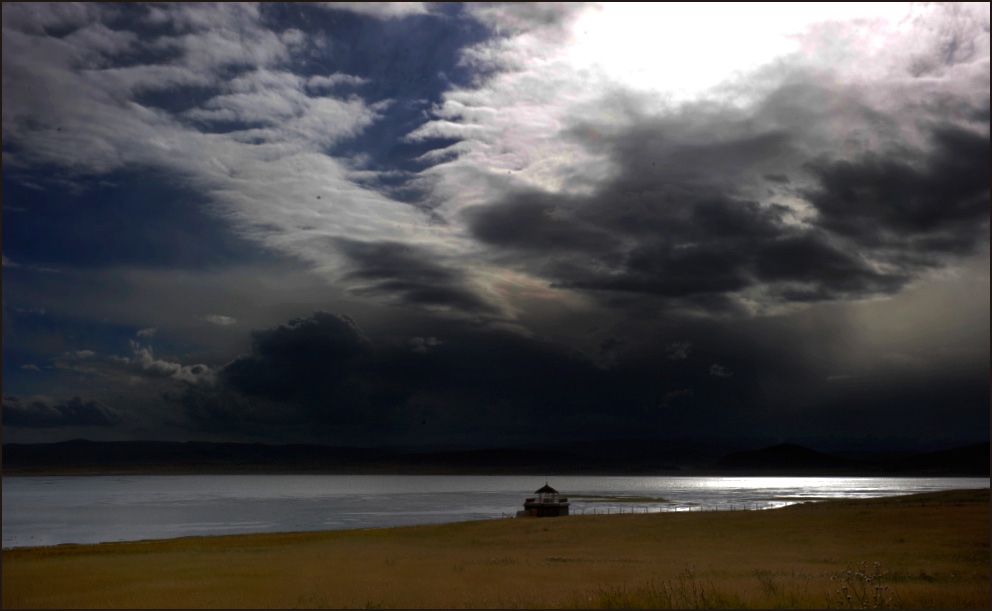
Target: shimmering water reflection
x=92, y=509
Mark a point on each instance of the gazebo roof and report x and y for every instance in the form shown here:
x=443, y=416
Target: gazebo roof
x=546, y=489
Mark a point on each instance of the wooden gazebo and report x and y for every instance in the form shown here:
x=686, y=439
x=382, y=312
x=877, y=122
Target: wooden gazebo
x=547, y=503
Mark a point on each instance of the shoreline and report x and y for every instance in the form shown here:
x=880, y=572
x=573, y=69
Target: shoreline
x=505, y=516
x=33, y=535
x=940, y=496
x=932, y=549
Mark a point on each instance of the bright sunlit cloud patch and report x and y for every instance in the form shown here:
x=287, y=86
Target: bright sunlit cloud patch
x=682, y=50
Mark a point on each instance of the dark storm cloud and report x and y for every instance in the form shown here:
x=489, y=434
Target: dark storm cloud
x=671, y=223
x=609, y=352
x=930, y=407
x=937, y=205
x=301, y=360
x=322, y=377
x=678, y=351
x=219, y=410
x=537, y=222
x=324, y=370
x=43, y=412
x=408, y=275
x=479, y=383
x=677, y=398
x=834, y=272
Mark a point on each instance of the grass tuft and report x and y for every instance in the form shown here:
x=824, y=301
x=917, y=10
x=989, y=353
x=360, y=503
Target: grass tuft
x=862, y=588
x=684, y=591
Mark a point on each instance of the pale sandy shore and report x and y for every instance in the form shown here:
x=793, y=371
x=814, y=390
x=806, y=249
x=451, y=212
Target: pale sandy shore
x=920, y=551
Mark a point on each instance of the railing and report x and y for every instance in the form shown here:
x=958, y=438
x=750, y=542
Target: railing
x=650, y=509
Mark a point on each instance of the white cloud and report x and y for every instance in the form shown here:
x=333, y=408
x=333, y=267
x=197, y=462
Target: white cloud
x=268, y=108
x=39, y=17
x=36, y=311
x=96, y=44
x=517, y=17
x=324, y=83
x=382, y=10
x=78, y=355
x=293, y=37
x=149, y=332
x=143, y=358
x=141, y=361
x=146, y=78
x=219, y=320
x=8, y=263
x=612, y=66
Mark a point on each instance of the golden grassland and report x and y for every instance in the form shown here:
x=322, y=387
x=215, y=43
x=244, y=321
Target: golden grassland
x=923, y=551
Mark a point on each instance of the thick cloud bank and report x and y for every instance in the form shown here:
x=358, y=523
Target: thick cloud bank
x=44, y=412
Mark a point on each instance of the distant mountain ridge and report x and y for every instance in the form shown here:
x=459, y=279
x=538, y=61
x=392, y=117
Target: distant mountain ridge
x=970, y=460
x=609, y=457
x=786, y=456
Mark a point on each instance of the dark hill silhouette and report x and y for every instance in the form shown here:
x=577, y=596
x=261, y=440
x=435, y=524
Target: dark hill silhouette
x=786, y=457
x=607, y=458
x=970, y=460
x=80, y=455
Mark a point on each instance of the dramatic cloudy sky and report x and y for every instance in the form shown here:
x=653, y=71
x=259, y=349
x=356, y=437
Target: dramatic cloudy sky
x=442, y=224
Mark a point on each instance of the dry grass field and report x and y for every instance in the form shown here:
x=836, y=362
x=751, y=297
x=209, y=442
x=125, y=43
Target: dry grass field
x=923, y=551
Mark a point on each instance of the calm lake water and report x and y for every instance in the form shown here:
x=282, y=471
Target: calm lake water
x=54, y=510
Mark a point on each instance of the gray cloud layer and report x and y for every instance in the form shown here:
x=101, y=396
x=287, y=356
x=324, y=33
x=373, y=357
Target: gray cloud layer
x=44, y=412
x=672, y=224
